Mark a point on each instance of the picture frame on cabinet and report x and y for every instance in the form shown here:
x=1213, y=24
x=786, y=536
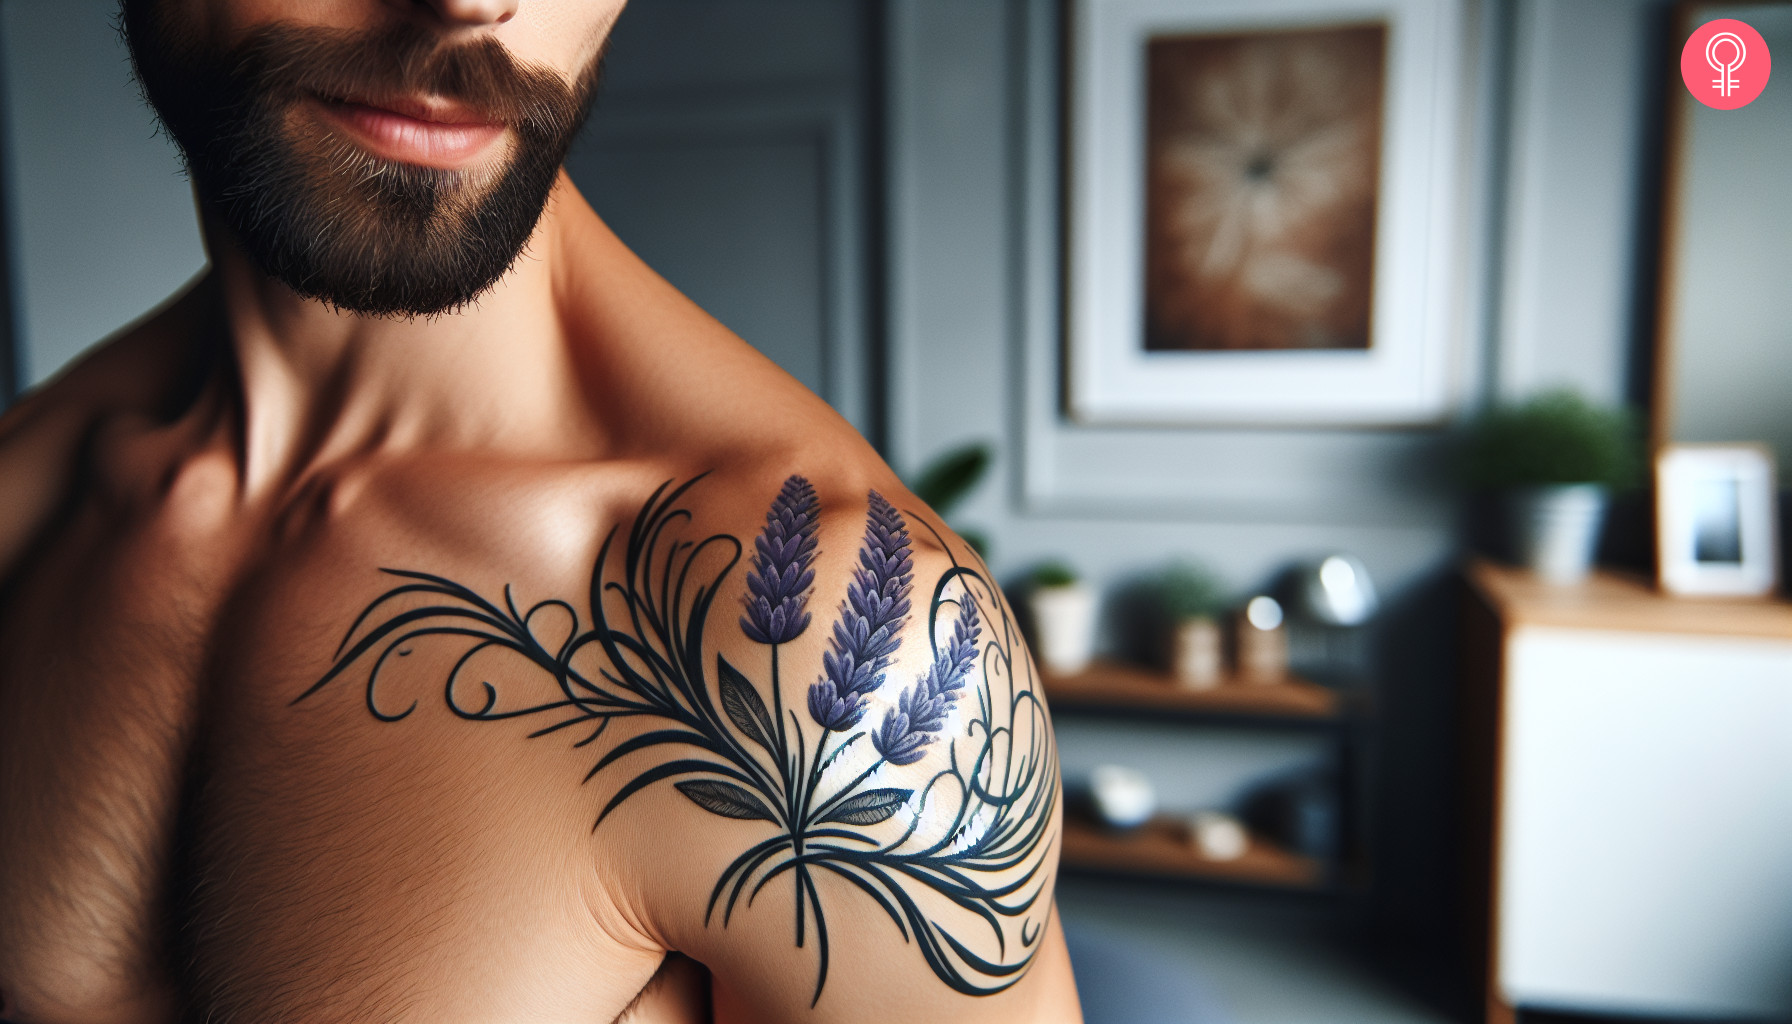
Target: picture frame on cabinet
x=1716, y=520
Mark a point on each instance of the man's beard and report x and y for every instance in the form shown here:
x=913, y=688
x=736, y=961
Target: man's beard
x=322, y=215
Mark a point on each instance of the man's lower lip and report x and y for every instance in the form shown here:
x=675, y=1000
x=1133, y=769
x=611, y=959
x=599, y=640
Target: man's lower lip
x=409, y=140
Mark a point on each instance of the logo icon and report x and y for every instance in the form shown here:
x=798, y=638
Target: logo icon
x=1725, y=64
x=1726, y=69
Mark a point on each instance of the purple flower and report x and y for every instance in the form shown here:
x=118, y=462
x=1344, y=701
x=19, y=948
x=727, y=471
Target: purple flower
x=921, y=710
x=778, y=587
x=868, y=631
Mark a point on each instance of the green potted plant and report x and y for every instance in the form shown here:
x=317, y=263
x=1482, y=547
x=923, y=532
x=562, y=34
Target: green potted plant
x=1193, y=600
x=1063, y=610
x=1556, y=458
x=945, y=482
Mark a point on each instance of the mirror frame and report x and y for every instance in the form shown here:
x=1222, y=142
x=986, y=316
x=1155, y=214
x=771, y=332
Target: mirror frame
x=1677, y=115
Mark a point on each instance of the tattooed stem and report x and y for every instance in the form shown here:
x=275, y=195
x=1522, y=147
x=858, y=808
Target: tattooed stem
x=821, y=930
x=814, y=780
x=786, y=767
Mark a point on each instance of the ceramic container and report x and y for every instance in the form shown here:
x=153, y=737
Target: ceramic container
x=1262, y=642
x=1555, y=530
x=1065, y=620
x=1197, y=656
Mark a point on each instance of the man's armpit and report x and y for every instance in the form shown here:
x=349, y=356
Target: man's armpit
x=678, y=993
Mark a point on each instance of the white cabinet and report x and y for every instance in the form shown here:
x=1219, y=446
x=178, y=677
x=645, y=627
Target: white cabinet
x=1640, y=849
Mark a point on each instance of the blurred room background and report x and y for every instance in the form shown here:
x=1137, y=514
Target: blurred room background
x=872, y=192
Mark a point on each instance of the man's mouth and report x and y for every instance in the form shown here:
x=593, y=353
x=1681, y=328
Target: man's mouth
x=425, y=131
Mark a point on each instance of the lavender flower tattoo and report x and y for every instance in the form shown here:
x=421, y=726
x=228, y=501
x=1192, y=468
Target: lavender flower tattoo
x=778, y=586
x=957, y=857
x=921, y=713
x=867, y=633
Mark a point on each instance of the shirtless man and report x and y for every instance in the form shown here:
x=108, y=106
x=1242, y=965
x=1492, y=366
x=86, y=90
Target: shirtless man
x=396, y=628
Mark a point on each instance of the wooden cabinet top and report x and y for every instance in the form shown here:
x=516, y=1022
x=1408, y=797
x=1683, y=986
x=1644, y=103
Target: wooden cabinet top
x=1620, y=601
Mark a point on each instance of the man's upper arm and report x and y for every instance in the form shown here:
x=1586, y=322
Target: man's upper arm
x=861, y=786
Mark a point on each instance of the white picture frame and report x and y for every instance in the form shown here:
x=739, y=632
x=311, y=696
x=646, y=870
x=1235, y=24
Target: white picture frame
x=1715, y=520
x=1403, y=375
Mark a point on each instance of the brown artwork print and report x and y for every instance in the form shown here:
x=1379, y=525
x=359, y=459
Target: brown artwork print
x=1262, y=163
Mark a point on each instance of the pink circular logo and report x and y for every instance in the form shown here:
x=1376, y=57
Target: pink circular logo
x=1725, y=64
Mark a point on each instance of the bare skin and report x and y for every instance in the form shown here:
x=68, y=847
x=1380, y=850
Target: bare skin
x=192, y=518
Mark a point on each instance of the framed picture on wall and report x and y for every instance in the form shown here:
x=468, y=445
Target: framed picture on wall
x=1715, y=519
x=1260, y=198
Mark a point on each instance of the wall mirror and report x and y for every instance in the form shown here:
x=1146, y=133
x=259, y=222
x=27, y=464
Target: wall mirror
x=1724, y=352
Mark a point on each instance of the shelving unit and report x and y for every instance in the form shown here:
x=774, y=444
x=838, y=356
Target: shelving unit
x=1107, y=687
x=1162, y=848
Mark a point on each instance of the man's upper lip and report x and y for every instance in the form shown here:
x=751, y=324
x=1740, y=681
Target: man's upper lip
x=433, y=109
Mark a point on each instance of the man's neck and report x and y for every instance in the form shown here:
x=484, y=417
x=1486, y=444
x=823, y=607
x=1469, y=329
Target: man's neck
x=315, y=385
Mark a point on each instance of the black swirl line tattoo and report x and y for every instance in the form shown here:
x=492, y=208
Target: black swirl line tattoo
x=963, y=853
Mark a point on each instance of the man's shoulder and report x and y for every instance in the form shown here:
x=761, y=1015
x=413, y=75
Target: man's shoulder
x=861, y=736
x=540, y=522
x=130, y=368
x=668, y=377
x=42, y=434
x=814, y=751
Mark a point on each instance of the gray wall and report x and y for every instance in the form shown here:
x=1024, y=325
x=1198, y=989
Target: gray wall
x=99, y=211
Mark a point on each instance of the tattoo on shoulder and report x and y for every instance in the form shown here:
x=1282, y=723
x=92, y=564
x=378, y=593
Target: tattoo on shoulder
x=955, y=852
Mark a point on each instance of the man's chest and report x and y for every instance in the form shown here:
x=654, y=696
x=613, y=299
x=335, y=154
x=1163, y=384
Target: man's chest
x=103, y=648
x=174, y=828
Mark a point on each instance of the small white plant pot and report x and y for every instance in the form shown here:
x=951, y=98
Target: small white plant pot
x=1064, y=617
x=1197, y=653
x=1555, y=530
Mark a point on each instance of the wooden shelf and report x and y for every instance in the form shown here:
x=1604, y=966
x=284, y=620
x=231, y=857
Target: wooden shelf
x=1106, y=686
x=1162, y=848
x=1619, y=601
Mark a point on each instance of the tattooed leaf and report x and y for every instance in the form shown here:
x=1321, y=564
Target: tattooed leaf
x=870, y=808
x=725, y=799
x=743, y=704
